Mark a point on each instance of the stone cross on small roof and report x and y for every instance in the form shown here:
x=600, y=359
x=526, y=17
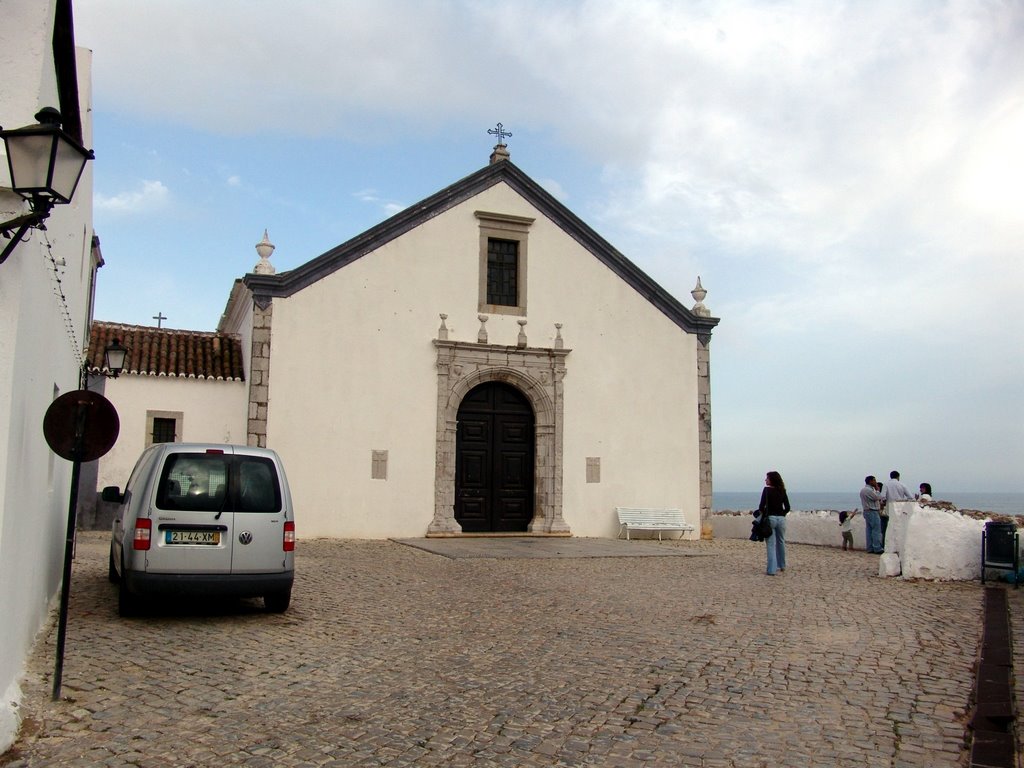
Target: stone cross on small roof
x=159, y=317
x=500, y=132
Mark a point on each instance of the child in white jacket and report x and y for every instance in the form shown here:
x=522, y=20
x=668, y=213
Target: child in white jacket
x=846, y=527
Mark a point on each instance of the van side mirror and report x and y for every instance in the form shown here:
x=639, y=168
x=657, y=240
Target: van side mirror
x=112, y=494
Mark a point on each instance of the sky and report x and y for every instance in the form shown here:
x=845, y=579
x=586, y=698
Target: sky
x=845, y=178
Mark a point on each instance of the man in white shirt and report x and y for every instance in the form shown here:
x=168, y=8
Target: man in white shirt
x=894, y=490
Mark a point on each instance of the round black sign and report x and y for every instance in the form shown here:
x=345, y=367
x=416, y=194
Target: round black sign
x=81, y=425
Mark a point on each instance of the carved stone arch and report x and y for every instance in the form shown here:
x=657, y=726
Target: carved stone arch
x=538, y=374
x=543, y=408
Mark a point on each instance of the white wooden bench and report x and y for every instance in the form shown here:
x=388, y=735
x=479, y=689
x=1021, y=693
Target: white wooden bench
x=648, y=519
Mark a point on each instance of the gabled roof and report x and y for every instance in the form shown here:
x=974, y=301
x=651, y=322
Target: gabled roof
x=286, y=283
x=169, y=352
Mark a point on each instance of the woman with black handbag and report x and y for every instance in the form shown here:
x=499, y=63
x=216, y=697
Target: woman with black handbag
x=774, y=505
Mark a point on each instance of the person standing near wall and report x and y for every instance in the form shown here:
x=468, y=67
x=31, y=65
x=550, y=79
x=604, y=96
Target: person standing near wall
x=775, y=504
x=894, y=490
x=871, y=503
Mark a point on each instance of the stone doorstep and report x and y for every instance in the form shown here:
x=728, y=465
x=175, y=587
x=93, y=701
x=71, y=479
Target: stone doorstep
x=500, y=535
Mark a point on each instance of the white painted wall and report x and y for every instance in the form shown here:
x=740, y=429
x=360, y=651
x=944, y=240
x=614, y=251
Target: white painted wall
x=921, y=542
x=41, y=342
x=353, y=370
x=213, y=412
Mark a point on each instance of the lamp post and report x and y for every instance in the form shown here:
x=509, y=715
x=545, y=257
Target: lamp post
x=46, y=165
x=80, y=426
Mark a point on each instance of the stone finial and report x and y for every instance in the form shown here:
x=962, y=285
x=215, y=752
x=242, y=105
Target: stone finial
x=521, y=340
x=500, y=153
x=442, y=332
x=698, y=294
x=481, y=336
x=559, y=344
x=264, y=248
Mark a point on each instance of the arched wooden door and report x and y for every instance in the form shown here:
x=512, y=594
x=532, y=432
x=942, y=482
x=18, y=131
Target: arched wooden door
x=494, y=454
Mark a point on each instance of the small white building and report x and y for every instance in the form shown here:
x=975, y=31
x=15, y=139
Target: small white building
x=481, y=362
x=177, y=386
x=46, y=289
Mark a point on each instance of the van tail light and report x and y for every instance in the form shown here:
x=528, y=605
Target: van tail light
x=289, y=537
x=143, y=527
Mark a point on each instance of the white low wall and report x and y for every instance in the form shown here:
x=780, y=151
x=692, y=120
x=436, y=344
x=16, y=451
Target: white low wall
x=921, y=542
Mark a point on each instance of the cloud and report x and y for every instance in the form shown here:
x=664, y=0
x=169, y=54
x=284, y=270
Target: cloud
x=555, y=188
x=151, y=196
x=370, y=196
x=846, y=178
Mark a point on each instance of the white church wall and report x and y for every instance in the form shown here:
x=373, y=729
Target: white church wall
x=631, y=403
x=212, y=412
x=353, y=370
x=40, y=346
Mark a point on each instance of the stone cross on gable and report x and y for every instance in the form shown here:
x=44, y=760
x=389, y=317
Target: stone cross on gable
x=500, y=132
x=159, y=317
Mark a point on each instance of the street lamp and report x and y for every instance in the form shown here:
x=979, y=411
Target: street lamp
x=45, y=164
x=113, y=358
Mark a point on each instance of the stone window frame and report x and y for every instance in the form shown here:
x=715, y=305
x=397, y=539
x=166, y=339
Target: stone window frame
x=503, y=226
x=179, y=424
x=537, y=373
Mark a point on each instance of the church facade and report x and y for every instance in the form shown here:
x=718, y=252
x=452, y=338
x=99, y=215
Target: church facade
x=482, y=362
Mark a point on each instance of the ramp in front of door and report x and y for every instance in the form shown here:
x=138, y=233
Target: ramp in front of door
x=511, y=547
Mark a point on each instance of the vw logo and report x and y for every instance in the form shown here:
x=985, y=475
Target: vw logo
x=245, y=537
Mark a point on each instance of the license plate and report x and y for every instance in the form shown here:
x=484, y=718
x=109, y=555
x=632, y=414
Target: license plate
x=192, y=537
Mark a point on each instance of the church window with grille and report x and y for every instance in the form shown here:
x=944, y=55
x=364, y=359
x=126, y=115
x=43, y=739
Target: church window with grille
x=503, y=272
x=503, y=262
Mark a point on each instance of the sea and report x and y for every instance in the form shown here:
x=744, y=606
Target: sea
x=999, y=503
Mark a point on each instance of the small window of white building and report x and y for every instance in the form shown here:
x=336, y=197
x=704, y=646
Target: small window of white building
x=164, y=427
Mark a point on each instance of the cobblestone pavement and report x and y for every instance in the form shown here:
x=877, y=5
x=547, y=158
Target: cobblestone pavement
x=393, y=656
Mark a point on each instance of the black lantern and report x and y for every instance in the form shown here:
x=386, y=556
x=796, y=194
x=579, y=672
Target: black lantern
x=46, y=165
x=113, y=358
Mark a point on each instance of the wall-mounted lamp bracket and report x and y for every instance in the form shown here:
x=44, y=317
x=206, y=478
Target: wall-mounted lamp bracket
x=20, y=226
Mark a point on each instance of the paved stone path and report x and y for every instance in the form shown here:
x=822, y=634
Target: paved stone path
x=394, y=656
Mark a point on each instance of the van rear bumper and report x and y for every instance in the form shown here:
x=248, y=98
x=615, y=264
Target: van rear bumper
x=213, y=584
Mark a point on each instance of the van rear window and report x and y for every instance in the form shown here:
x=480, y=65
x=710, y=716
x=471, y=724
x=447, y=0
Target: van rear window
x=258, y=489
x=204, y=482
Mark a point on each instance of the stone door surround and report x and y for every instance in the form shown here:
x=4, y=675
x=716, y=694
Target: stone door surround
x=537, y=372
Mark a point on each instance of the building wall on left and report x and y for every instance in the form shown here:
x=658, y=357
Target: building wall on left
x=45, y=289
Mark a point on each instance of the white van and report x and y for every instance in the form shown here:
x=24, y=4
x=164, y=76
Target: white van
x=203, y=519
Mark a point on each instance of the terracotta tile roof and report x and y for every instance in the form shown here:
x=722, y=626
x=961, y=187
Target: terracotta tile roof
x=170, y=352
